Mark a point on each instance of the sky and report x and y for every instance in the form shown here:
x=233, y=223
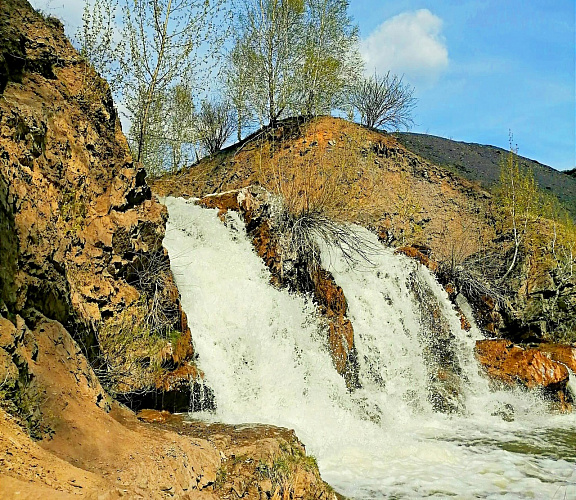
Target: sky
x=481, y=69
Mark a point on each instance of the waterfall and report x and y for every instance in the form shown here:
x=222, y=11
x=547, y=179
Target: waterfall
x=424, y=423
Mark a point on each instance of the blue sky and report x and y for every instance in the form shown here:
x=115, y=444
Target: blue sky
x=491, y=66
x=480, y=68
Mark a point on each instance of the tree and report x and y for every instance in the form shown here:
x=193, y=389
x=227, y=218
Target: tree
x=180, y=132
x=384, y=102
x=97, y=38
x=164, y=38
x=152, y=145
x=268, y=48
x=291, y=57
x=518, y=198
x=166, y=44
x=331, y=59
x=237, y=84
x=215, y=124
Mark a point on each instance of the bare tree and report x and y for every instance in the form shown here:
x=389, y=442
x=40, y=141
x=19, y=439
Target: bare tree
x=215, y=124
x=384, y=102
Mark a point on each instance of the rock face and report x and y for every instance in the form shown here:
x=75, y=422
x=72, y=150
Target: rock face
x=80, y=233
x=530, y=368
x=294, y=271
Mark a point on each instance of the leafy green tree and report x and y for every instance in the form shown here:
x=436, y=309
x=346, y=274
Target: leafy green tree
x=237, y=85
x=291, y=57
x=165, y=44
x=331, y=61
x=180, y=132
x=268, y=47
x=518, y=198
x=164, y=38
x=96, y=37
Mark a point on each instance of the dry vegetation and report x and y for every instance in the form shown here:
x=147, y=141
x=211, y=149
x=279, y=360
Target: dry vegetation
x=348, y=173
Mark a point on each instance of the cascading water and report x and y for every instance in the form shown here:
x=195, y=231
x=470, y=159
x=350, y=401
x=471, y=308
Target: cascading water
x=407, y=433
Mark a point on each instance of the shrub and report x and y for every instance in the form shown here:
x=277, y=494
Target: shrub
x=384, y=102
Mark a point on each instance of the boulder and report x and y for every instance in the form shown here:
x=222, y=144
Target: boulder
x=514, y=365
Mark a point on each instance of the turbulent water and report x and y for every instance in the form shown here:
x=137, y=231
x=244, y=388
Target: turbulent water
x=264, y=354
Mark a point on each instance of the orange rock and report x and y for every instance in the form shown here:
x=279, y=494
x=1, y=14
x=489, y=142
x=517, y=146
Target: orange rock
x=513, y=365
x=464, y=323
x=562, y=353
x=153, y=416
x=223, y=201
x=416, y=254
x=181, y=376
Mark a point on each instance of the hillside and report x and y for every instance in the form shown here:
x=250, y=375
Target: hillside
x=351, y=174
x=481, y=163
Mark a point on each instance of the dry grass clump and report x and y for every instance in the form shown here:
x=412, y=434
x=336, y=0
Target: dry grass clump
x=318, y=174
x=150, y=274
x=132, y=355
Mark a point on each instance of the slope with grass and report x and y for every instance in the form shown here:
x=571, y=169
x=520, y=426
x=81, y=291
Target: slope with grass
x=350, y=174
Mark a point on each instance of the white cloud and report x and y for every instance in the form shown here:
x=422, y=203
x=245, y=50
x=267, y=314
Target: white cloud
x=410, y=43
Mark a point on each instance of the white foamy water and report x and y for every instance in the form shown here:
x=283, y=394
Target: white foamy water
x=265, y=357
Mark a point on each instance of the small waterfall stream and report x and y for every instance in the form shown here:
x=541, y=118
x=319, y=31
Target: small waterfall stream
x=411, y=431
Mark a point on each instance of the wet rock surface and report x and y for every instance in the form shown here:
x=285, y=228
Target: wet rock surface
x=511, y=365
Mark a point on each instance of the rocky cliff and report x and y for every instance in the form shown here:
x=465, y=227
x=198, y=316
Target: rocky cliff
x=81, y=233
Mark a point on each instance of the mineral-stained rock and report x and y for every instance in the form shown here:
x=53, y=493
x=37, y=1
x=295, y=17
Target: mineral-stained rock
x=294, y=272
x=78, y=223
x=561, y=353
x=514, y=365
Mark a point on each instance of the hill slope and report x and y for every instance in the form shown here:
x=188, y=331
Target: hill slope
x=351, y=174
x=481, y=163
